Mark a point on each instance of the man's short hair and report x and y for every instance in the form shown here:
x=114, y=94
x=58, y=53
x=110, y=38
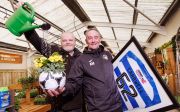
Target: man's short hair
x=90, y=29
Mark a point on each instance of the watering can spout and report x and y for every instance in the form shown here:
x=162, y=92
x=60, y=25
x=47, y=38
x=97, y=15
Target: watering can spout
x=28, y=27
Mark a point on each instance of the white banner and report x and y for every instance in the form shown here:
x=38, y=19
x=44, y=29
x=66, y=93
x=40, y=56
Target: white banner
x=140, y=86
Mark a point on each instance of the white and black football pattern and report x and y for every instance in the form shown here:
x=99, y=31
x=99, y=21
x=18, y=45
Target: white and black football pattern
x=51, y=80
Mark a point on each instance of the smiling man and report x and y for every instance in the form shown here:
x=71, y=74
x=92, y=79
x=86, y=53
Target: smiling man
x=69, y=53
x=93, y=71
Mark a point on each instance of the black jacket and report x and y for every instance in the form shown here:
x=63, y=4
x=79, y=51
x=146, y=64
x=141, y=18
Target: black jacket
x=68, y=102
x=94, y=70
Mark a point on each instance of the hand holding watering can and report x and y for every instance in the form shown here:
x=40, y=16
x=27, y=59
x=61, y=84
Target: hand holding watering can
x=22, y=19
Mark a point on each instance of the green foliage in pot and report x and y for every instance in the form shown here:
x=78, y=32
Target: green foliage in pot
x=34, y=73
x=40, y=100
x=27, y=81
x=20, y=94
x=33, y=92
x=16, y=103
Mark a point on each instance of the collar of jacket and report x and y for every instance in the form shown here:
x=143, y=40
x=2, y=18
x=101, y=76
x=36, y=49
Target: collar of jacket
x=94, y=51
x=76, y=52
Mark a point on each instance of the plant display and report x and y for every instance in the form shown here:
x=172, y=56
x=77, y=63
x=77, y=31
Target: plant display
x=54, y=63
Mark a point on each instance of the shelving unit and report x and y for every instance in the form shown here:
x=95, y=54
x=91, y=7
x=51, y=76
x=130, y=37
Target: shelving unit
x=28, y=104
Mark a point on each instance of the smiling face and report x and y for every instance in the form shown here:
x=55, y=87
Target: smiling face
x=93, y=39
x=68, y=41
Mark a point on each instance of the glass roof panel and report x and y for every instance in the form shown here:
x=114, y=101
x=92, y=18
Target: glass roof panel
x=120, y=12
x=112, y=44
x=154, y=9
x=141, y=35
x=122, y=34
x=56, y=12
x=94, y=9
x=106, y=32
x=59, y=14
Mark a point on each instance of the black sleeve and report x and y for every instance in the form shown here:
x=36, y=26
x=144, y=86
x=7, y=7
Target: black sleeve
x=40, y=44
x=74, y=79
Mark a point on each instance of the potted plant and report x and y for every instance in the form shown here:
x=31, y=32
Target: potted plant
x=51, y=71
x=33, y=93
x=27, y=82
x=40, y=100
x=16, y=103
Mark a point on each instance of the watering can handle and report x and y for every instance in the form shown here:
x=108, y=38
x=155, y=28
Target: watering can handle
x=29, y=8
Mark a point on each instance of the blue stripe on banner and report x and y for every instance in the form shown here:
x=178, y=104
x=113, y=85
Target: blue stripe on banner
x=118, y=73
x=125, y=87
x=137, y=83
x=123, y=104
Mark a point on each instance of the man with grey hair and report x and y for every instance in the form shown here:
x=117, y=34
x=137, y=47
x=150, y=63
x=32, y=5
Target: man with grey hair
x=69, y=53
x=93, y=71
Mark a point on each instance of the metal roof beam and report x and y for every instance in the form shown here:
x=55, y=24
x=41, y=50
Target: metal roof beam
x=77, y=27
x=135, y=15
x=109, y=18
x=75, y=7
x=123, y=41
x=160, y=30
x=2, y=25
x=11, y=1
x=140, y=12
x=49, y=22
x=13, y=47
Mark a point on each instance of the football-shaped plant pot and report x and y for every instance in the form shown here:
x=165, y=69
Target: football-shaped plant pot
x=50, y=80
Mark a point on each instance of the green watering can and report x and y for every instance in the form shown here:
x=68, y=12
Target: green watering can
x=21, y=21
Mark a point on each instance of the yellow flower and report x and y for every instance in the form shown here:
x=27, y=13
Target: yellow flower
x=42, y=59
x=38, y=63
x=55, y=58
x=54, y=63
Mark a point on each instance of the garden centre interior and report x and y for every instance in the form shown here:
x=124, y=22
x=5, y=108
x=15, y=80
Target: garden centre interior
x=154, y=23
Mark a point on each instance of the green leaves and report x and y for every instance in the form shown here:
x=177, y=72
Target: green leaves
x=27, y=81
x=54, y=63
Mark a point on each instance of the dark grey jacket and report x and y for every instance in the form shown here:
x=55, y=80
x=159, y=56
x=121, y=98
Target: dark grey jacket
x=94, y=71
x=68, y=102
